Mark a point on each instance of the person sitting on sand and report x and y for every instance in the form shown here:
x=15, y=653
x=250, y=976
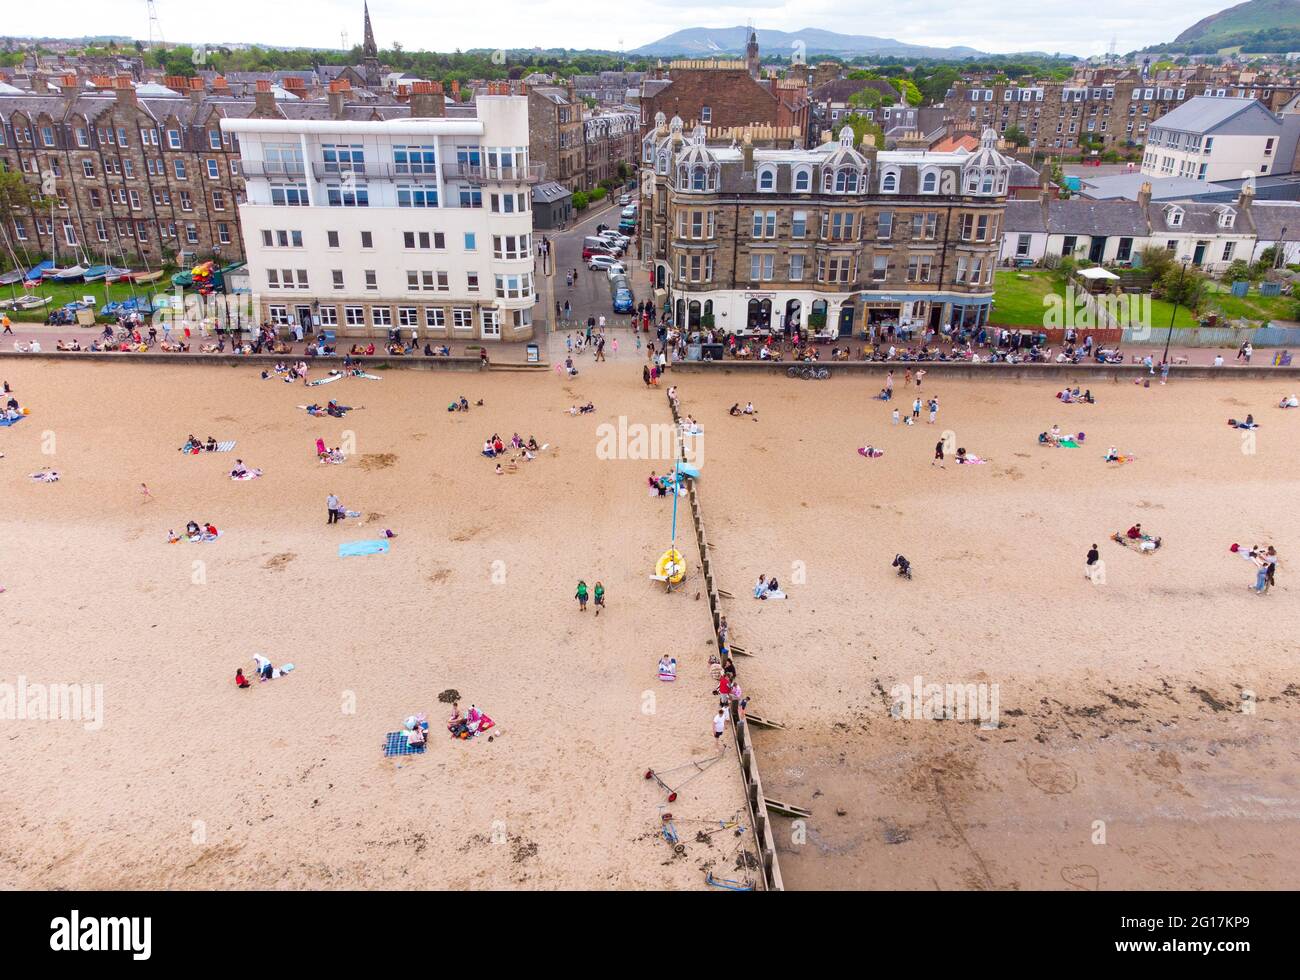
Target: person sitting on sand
x=500, y=471
x=760, y=587
x=210, y=445
x=488, y=450
x=210, y=530
x=586, y=409
x=1054, y=435
x=239, y=471
x=417, y=736
x=1112, y=454
x=191, y=530
x=264, y=669
x=241, y=681
x=734, y=409
x=667, y=668
x=464, y=403
x=1290, y=402
x=497, y=445
x=532, y=444
x=961, y=454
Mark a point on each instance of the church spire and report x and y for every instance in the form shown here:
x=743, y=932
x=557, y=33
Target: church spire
x=368, y=48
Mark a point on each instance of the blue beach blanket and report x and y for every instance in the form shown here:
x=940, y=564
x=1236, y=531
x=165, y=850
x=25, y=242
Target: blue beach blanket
x=8, y=422
x=396, y=743
x=350, y=549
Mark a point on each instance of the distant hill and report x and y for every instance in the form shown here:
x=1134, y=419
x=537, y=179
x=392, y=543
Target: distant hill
x=707, y=42
x=1245, y=18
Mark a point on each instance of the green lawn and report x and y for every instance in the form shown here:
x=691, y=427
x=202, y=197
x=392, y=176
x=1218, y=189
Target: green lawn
x=61, y=293
x=1251, y=307
x=1018, y=302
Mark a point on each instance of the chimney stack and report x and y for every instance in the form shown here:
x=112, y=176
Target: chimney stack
x=70, y=86
x=197, y=90
x=455, y=89
x=1246, y=197
x=264, y=100
x=338, y=93
x=124, y=90
x=427, y=100
x=1144, y=195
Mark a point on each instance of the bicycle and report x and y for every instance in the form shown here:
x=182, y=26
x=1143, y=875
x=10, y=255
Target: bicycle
x=808, y=373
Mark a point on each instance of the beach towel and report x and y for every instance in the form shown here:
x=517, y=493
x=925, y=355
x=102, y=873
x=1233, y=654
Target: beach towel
x=248, y=475
x=396, y=743
x=349, y=549
x=873, y=454
x=43, y=477
x=333, y=458
x=13, y=421
x=202, y=538
x=225, y=447
x=1068, y=444
x=368, y=377
x=972, y=460
x=324, y=381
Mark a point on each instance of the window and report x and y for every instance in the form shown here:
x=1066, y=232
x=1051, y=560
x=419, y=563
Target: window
x=381, y=316
x=413, y=239
x=348, y=195
x=1228, y=249
x=435, y=317
x=282, y=195
x=407, y=316
x=415, y=159
x=471, y=281
x=174, y=138
x=767, y=179
x=1023, y=243
x=471, y=241
x=760, y=267
x=371, y=281
x=799, y=224
x=471, y=198
x=514, y=287
x=796, y=268
x=214, y=172
x=444, y=282
x=367, y=240
x=885, y=225
x=329, y=316
x=706, y=114
x=178, y=167
x=961, y=270
x=802, y=180
x=336, y=277
x=344, y=158
x=354, y=316
x=214, y=139
x=764, y=224
x=879, y=268
x=272, y=279
x=930, y=182
x=462, y=318
x=417, y=197
x=332, y=239
x=888, y=182
x=218, y=200
x=918, y=268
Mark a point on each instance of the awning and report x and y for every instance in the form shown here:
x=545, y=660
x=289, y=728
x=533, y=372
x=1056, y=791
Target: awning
x=969, y=299
x=1097, y=272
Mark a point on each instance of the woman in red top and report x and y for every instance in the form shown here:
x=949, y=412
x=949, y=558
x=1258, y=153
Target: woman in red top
x=240, y=680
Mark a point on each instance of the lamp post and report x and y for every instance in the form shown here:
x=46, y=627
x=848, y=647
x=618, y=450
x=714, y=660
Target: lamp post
x=1181, y=277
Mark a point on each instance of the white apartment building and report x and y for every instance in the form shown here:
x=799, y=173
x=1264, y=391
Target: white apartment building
x=1210, y=138
x=413, y=223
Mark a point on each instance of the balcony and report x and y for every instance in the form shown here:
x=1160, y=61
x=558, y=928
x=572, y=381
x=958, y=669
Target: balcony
x=271, y=168
x=372, y=171
x=481, y=173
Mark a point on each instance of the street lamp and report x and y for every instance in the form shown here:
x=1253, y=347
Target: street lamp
x=1181, y=277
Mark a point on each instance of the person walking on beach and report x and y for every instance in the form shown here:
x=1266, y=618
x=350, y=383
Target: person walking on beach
x=599, y=595
x=934, y=409
x=889, y=385
x=1265, y=562
x=895, y=416
x=581, y=596
x=1090, y=568
x=332, y=505
x=720, y=726
x=613, y=345
x=920, y=375
x=916, y=408
x=144, y=492
x=938, y=455
x=645, y=374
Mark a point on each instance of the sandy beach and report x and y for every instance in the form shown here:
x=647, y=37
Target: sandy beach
x=191, y=783
x=1162, y=703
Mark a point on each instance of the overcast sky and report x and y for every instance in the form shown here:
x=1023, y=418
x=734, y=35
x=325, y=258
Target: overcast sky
x=989, y=25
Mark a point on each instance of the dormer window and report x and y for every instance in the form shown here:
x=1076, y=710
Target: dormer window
x=889, y=182
x=767, y=179
x=802, y=180
x=699, y=178
x=1226, y=218
x=846, y=181
x=972, y=181
x=1175, y=218
x=930, y=183
x=986, y=185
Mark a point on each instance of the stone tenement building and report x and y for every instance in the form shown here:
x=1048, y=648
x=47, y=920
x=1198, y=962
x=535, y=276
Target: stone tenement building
x=579, y=148
x=1118, y=107
x=838, y=238
x=725, y=94
x=136, y=175
x=143, y=173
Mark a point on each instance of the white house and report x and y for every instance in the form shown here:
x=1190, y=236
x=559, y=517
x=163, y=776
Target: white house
x=1209, y=138
x=420, y=223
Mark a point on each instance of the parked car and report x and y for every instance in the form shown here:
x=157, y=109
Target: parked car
x=629, y=212
x=614, y=238
x=625, y=199
x=600, y=261
x=614, y=270
x=623, y=302
x=627, y=226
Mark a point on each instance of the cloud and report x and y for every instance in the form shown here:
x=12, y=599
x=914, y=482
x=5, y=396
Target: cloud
x=989, y=25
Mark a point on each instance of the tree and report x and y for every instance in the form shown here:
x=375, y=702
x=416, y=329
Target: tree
x=17, y=199
x=861, y=126
x=1016, y=136
x=907, y=90
x=866, y=98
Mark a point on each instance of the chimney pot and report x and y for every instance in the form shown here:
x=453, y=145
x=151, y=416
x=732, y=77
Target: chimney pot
x=263, y=85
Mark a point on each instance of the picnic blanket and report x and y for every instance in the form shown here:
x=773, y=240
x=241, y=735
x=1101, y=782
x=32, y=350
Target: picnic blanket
x=1068, y=444
x=972, y=460
x=13, y=421
x=222, y=447
x=349, y=549
x=396, y=743
x=248, y=475
x=202, y=538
